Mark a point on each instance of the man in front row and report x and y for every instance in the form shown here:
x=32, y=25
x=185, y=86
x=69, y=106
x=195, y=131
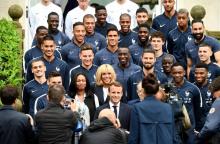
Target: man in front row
x=121, y=110
x=54, y=124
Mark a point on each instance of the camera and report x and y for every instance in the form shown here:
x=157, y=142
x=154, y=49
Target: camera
x=67, y=103
x=170, y=92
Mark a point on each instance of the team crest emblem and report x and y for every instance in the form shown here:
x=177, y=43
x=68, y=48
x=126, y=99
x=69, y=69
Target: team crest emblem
x=187, y=93
x=209, y=74
x=57, y=69
x=208, y=93
x=133, y=41
x=96, y=42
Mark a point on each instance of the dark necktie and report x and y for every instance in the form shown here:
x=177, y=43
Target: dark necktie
x=115, y=110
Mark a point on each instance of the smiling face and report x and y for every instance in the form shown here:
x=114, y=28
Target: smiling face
x=115, y=94
x=125, y=22
x=148, y=60
x=53, y=22
x=38, y=69
x=198, y=30
x=87, y=57
x=112, y=38
x=205, y=53
x=201, y=75
x=101, y=16
x=106, y=77
x=81, y=82
x=79, y=33
x=48, y=48
x=178, y=74
x=124, y=56
x=143, y=34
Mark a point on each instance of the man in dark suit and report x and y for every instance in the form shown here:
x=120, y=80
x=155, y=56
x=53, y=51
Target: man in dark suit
x=15, y=127
x=121, y=110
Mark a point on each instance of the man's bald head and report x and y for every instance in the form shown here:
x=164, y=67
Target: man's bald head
x=110, y=115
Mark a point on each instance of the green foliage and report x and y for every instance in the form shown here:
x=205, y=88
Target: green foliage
x=10, y=54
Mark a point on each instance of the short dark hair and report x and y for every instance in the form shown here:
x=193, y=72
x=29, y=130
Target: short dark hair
x=100, y=7
x=197, y=21
x=56, y=93
x=168, y=56
x=145, y=25
x=88, y=16
x=112, y=28
x=40, y=28
x=141, y=10
x=77, y=24
x=53, y=74
x=157, y=34
x=9, y=94
x=125, y=15
x=150, y=84
x=36, y=60
x=48, y=37
x=202, y=65
x=148, y=50
x=117, y=84
x=176, y=65
x=86, y=46
x=215, y=85
x=52, y=13
x=203, y=44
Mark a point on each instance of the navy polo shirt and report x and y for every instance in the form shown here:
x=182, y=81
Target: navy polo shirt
x=207, y=100
x=165, y=24
x=90, y=73
x=103, y=29
x=31, y=91
x=96, y=40
x=123, y=74
x=36, y=52
x=70, y=54
x=136, y=77
x=136, y=51
x=176, y=41
x=60, y=39
x=55, y=65
x=105, y=56
x=192, y=99
x=127, y=39
x=192, y=48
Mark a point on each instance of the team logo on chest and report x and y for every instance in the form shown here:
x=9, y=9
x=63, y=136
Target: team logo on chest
x=57, y=69
x=186, y=93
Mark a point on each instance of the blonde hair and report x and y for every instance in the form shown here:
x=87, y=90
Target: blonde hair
x=102, y=69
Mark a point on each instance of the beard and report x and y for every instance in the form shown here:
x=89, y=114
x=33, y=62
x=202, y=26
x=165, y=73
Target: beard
x=198, y=36
x=148, y=66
